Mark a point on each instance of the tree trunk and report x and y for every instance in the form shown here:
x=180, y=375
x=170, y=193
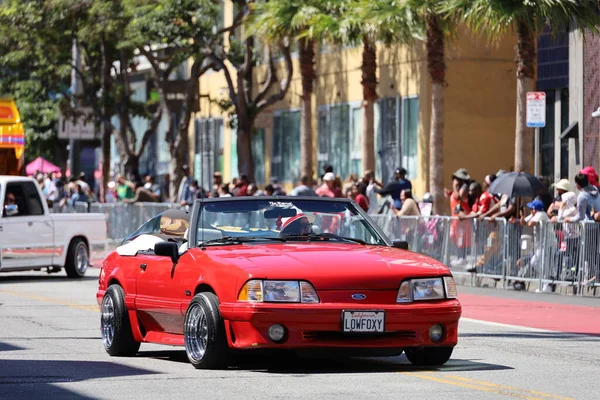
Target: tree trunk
x=107, y=131
x=526, y=59
x=436, y=65
x=244, y=149
x=307, y=73
x=106, y=124
x=369, y=84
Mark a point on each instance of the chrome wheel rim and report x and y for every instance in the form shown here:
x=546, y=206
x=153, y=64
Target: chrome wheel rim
x=108, y=321
x=81, y=258
x=196, y=333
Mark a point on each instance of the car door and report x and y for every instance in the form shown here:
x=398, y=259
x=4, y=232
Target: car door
x=158, y=300
x=28, y=236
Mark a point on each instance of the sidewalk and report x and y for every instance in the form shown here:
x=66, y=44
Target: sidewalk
x=542, y=311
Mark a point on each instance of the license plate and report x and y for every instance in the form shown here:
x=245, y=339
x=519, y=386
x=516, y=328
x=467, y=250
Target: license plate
x=363, y=321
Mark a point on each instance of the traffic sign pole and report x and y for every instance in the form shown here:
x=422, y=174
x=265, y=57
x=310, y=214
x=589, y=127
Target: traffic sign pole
x=536, y=118
x=536, y=159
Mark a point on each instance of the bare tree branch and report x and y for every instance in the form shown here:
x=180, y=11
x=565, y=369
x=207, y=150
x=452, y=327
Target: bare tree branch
x=221, y=64
x=262, y=105
x=150, y=131
x=237, y=21
x=270, y=79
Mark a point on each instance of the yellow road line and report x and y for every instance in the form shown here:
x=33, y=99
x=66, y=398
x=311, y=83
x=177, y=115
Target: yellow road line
x=482, y=386
x=52, y=300
x=466, y=385
x=542, y=394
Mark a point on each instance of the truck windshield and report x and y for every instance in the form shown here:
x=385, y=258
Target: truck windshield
x=283, y=219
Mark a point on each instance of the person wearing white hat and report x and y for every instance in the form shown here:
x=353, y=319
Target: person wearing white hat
x=327, y=188
x=562, y=186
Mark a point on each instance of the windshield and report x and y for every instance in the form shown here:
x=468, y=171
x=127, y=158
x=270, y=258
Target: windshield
x=283, y=220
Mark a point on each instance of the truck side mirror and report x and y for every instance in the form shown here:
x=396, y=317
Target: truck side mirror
x=10, y=210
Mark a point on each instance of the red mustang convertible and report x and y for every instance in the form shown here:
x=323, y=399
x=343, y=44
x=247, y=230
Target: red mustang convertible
x=291, y=273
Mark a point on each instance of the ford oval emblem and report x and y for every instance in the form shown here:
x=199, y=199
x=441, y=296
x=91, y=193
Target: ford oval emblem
x=359, y=296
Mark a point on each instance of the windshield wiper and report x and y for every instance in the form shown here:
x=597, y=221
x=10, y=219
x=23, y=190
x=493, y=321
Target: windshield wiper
x=241, y=239
x=326, y=236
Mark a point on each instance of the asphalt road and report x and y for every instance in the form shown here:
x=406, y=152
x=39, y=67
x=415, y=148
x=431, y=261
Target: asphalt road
x=50, y=347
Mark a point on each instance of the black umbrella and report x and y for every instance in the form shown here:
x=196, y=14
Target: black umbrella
x=517, y=184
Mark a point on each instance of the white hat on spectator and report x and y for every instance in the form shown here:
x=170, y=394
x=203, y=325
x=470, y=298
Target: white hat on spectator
x=563, y=184
x=329, y=176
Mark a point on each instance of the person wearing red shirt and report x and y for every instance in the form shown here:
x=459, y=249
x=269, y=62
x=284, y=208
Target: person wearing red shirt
x=358, y=197
x=327, y=189
x=243, y=186
x=484, y=199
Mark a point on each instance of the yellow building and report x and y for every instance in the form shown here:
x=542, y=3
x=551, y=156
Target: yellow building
x=479, y=115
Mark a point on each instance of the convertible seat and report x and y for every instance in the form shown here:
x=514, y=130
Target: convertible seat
x=140, y=243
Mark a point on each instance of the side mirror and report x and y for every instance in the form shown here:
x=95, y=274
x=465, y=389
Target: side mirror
x=10, y=210
x=167, y=249
x=400, y=244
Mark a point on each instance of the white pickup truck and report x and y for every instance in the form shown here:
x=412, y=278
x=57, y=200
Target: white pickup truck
x=31, y=238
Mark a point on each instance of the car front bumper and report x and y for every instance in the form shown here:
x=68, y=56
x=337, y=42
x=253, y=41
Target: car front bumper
x=320, y=325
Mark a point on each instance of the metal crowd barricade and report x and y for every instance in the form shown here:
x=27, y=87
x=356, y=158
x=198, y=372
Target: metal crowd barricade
x=524, y=248
x=590, y=257
x=489, y=248
x=562, y=255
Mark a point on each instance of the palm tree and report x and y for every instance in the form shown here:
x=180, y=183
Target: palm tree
x=277, y=20
x=495, y=18
x=406, y=22
x=350, y=22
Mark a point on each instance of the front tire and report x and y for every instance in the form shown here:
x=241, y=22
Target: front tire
x=77, y=259
x=117, y=336
x=428, y=356
x=204, y=333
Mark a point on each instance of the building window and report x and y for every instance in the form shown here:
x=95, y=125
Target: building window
x=258, y=155
x=547, y=136
x=208, y=150
x=397, y=133
x=340, y=133
x=285, y=160
x=564, y=124
x=410, y=134
x=356, y=140
x=387, y=137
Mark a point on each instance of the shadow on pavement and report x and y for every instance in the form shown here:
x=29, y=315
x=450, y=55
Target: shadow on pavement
x=9, y=347
x=15, y=277
x=287, y=362
x=30, y=379
x=580, y=337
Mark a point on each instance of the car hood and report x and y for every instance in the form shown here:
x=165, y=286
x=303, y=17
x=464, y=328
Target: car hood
x=330, y=266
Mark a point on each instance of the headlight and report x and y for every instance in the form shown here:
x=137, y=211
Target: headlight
x=426, y=289
x=278, y=291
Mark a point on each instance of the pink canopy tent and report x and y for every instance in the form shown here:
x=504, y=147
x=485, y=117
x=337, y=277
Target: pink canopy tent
x=41, y=165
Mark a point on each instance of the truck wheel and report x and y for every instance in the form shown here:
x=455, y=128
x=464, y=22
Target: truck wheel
x=117, y=337
x=428, y=356
x=77, y=259
x=204, y=333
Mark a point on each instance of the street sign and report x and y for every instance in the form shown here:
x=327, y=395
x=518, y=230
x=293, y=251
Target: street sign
x=82, y=128
x=536, y=109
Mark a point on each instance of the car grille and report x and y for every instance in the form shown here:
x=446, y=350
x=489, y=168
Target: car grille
x=335, y=336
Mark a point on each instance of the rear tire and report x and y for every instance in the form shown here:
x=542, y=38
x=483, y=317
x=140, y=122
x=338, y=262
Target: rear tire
x=428, y=356
x=204, y=333
x=78, y=257
x=117, y=336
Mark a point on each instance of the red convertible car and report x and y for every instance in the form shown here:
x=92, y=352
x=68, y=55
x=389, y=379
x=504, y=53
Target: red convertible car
x=275, y=273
